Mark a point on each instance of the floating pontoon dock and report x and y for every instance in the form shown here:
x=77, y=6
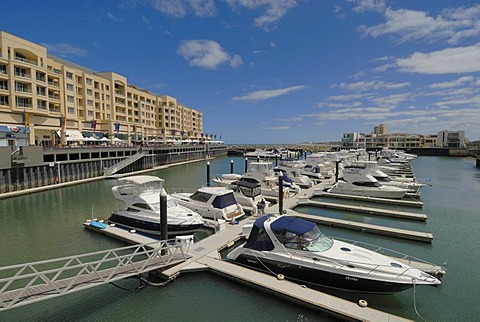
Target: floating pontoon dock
x=364, y=210
x=397, y=202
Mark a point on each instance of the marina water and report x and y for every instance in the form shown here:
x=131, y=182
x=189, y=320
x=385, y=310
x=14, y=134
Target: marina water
x=49, y=224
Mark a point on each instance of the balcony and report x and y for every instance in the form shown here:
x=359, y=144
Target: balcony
x=22, y=74
x=26, y=60
x=54, y=96
x=54, y=84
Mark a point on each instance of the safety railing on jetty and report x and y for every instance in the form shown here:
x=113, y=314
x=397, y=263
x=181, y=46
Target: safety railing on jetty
x=32, y=282
x=122, y=164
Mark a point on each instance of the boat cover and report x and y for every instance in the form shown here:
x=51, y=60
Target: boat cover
x=292, y=224
x=259, y=239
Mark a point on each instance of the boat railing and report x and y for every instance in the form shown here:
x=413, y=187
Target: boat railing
x=387, y=252
x=179, y=190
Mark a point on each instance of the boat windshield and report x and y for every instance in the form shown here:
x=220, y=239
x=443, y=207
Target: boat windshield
x=313, y=240
x=171, y=203
x=224, y=201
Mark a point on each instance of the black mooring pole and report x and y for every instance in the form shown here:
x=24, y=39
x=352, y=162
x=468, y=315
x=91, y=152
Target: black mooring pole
x=246, y=164
x=336, y=170
x=163, y=215
x=208, y=173
x=280, y=194
x=231, y=166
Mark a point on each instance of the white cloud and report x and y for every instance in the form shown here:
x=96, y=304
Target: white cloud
x=66, y=50
x=277, y=128
x=236, y=61
x=266, y=94
x=275, y=10
x=112, y=17
x=367, y=85
x=203, y=8
x=175, y=8
x=206, y=54
x=368, y=5
x=452, y=25
x=446, y=61
x=454, y=83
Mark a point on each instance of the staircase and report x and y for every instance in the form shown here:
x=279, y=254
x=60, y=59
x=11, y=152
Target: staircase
x=122, y=164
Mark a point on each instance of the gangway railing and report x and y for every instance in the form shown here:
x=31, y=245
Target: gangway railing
x=32, y=282
x=122, y=164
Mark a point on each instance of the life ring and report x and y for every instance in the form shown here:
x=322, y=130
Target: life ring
x=362, y=303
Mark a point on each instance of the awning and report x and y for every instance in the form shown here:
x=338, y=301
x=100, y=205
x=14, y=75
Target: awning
x=72, y=135
x=4, y=128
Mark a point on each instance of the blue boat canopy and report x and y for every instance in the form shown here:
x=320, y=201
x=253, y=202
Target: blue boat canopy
x=294, y=225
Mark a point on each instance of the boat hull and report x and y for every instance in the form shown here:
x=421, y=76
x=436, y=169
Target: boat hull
x=151, y=228
x=319, y=279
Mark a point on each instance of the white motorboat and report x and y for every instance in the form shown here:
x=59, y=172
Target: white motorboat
x=298, y=250
x=141, y=195
x=261, y=172
x=295, y=174
x=226, y=179
x=247, y=194
x=263, y=154
x=357, y=183
x=372, y=168
x=211, y=202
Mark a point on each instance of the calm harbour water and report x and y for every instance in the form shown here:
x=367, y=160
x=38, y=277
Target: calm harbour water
x=49, y=224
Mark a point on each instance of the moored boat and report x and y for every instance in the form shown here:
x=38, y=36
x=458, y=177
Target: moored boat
x=297, y=249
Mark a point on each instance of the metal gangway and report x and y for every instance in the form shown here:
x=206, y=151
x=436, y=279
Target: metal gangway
x=122, y=164
x=32, y=282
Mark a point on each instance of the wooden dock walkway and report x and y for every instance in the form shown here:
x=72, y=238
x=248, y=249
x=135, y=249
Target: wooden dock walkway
x=364, y=210
x=397, y=202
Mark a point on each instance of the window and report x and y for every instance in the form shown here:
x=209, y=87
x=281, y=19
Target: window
x=41, y=90
x=90, y=102
x=41, y=105
x=40, y=76
x=21, y=87
x=23, y=102
x=3, y=69
x=71, y=110
x=89, y=81
x=89, y=92
x=21, y=72
x=69, y=75
x=201, y=196
x=69, y=87
x=4, y=84
x=90, y=113
x=3, y=100
x=70, y=99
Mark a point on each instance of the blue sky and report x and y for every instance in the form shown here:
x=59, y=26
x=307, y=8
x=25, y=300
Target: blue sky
x=279, y=71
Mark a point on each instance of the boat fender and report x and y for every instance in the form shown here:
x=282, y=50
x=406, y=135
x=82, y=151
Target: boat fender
x=280, y=277
x=133, y=231
x=362, y=303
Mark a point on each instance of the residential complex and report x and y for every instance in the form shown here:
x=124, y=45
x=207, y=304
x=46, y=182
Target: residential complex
x=47, y=100
x=380, y=138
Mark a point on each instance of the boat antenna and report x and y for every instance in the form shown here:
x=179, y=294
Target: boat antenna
x=91, y=215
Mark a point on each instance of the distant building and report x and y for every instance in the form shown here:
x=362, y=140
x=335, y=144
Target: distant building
x=379, y=138
x=380, y=129
x=42, y=96
x=451, y=139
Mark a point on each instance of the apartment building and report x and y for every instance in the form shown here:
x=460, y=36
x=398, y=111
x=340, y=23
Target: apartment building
x=403, y=140
x=48, y=100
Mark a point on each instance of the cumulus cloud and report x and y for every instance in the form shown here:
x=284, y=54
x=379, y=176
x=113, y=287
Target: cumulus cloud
x=446, y=61
x=66, y=50
x=266, y=94
x=452, y=25
x=206, y=54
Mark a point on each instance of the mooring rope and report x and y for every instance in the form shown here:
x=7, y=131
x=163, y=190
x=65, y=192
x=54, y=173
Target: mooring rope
x=262, y=263
x=415, y=302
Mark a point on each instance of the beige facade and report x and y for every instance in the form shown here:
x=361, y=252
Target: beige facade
x=41, y=93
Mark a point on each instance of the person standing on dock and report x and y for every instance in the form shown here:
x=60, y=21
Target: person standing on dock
x=261, y=208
